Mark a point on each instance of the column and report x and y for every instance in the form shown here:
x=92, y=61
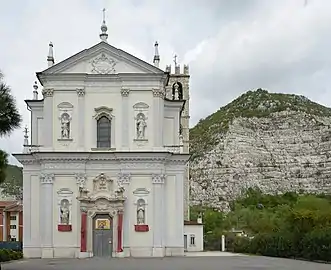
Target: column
x=81, y=118
x=46, y=214
x=119, y=230
x=158, y=109
x=83, y=231
x=158, y=215
x=47, y=139
x=125, y=118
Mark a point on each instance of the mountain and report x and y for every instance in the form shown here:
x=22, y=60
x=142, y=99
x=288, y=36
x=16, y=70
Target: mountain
x=277, y=142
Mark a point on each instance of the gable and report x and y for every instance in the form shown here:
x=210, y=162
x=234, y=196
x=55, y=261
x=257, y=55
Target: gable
x=102, y=59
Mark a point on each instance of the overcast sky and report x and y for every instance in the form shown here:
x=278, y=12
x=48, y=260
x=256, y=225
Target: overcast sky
x=231, y=45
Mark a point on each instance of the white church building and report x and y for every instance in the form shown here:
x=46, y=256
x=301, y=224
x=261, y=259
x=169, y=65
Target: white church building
x=106, y=169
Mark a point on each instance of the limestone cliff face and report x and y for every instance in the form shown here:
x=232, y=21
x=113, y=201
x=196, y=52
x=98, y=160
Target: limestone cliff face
x=277, y=142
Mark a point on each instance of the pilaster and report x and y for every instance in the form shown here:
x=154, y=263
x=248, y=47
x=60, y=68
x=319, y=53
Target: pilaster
x=158, y=110
x=46, y=214
x=81, y=118
x=27, y=209
x=125, y=179
x=48, y=131
x=125, y=118
x=179, y=240
x=158, y=215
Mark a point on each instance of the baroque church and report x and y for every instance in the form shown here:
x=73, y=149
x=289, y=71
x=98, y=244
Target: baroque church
x=106, y=165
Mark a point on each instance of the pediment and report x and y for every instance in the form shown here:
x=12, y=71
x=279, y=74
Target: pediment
x=102, y=59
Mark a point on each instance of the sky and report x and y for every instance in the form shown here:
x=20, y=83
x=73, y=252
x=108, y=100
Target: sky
x=231, y=46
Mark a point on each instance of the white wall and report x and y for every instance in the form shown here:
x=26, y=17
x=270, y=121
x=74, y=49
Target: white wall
x=196, y=232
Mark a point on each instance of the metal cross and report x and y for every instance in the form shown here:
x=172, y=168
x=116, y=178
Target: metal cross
x=104, y=14
x=175, y=60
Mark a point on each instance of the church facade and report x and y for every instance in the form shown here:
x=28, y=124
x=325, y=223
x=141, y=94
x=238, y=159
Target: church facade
x=106, y=169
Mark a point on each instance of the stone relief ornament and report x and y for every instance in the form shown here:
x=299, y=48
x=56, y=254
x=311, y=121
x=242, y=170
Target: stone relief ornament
x=124, y=178
x=103, y=65
x=158, y=178
x=65, y=126
x=102, y=183
x=141, y=126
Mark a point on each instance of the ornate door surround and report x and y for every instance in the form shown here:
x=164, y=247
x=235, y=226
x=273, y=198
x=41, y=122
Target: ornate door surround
x=105, y=199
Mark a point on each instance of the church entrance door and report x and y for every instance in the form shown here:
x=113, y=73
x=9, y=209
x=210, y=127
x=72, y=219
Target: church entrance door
x=102, y=236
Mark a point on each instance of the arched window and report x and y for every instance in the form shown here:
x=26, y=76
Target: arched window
x=103, y=132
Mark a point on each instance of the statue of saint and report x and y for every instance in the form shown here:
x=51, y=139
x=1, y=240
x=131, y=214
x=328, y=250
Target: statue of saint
x=140, y=216
x=65, y=126
x=64, y=212
x=141, y=127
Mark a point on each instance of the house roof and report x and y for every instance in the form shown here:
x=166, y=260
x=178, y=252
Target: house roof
x=15, y=206
x=192, y=222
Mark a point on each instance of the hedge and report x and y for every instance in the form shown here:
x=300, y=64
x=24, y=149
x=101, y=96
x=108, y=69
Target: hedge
x=9, y=255
x=314, y=246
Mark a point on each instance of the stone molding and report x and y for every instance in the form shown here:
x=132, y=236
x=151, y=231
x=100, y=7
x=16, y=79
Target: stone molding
x=158, y=178
x=125, y=92
x=48, y=92
x=124, y=178
x=80, y=92
x=47, y=178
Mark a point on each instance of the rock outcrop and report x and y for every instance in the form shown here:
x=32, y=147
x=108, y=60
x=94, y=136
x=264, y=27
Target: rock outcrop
x=277, y=142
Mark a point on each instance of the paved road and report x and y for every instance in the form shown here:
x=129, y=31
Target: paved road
x=183, y=263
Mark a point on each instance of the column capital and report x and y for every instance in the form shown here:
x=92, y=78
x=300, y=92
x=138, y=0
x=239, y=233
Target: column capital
x=47, y=178
x=80, y=179
x=125, y=92
x=158, y=178
x=157, y=92
x=48, y=92
x=80, y=92
x=124, y=178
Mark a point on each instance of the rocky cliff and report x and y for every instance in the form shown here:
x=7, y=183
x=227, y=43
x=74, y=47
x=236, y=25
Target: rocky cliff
x=277, y=142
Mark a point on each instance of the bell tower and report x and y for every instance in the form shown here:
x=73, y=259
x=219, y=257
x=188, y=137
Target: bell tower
x=178, y=88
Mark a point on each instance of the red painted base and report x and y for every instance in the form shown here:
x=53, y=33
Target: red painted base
x=64, y=228
x=141, y=228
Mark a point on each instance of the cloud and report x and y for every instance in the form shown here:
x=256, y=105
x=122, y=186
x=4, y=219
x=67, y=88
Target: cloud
x=231, y=46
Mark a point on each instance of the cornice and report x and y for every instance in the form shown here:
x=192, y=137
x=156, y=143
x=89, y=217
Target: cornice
x=90, y=157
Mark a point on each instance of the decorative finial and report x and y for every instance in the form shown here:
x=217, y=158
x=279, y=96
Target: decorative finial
x=50, y=57
x=104, y=35
x=26, y=140
x=35, y=91
x=156, y=59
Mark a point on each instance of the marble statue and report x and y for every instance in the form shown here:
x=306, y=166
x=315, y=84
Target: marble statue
x=141, y=212
x=141, y=126
x=64, y=212
x=65, y=126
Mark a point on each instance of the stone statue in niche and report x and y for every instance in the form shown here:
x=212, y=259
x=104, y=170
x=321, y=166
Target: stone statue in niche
x=64, y=212
x=140, y=212
x=65, y=126
x=141, y=126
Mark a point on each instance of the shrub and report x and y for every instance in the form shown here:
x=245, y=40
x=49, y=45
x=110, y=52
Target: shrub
x=8, y=255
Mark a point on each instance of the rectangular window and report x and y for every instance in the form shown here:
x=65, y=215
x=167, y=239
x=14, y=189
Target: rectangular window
x=192, y=240
x=103, y=132
x=12, y=217
x=13, y=226
x=13, y=239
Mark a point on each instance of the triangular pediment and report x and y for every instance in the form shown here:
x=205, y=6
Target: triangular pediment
x=102, y=58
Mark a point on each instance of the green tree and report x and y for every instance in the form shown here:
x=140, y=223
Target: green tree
x=10, y=119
